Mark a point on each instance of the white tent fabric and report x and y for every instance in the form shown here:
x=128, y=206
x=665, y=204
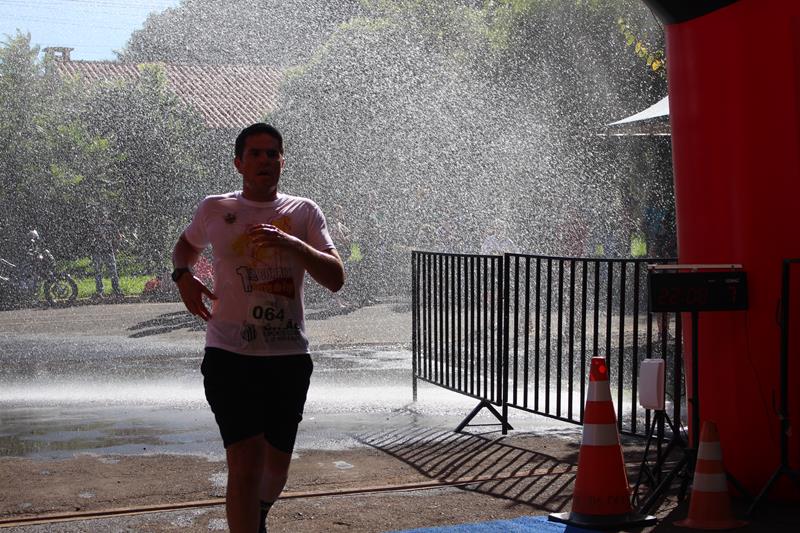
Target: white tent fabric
x=659, y=109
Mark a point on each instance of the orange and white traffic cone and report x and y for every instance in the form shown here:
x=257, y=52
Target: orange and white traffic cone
x=710, y=505
x=601, y=498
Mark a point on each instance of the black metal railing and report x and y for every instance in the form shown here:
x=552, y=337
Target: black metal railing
x=457, y=316
x=563, y=311
x=518, y=331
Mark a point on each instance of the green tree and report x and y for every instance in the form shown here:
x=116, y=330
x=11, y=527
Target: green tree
x=271, y=32
x=45, y=152
x=74, y=154
x=446, y=80
x=454, y=113
x=22, y=98
x=573, y=56
x=163, y=161
x=574, y=61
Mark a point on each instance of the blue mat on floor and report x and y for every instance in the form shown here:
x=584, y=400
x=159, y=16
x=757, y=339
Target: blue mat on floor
x=523, y=524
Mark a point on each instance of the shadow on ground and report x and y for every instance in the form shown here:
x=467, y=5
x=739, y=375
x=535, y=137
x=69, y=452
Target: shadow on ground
x=542, y=482
x=500, y=469
x=166, y=323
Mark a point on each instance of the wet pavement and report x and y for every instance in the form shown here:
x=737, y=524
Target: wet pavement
x=88, y=379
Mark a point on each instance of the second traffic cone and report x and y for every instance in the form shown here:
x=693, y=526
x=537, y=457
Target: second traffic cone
x=710, y=505
x=601, y=498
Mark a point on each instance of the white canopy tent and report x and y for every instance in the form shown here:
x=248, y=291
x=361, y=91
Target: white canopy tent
x=647, y=122
x=659, y=109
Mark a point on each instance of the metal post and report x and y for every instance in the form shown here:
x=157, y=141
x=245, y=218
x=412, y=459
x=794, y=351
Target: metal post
x=695, y=386
x=414, y=325
x=504, y=280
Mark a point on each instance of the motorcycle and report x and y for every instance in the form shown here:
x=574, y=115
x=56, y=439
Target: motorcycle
x=21, y=283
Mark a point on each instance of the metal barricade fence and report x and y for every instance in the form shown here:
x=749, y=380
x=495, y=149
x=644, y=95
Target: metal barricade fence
x=457, y=317
x=518, y=331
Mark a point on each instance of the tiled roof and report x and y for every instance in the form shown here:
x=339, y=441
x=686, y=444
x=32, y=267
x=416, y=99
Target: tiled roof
x=228, y=96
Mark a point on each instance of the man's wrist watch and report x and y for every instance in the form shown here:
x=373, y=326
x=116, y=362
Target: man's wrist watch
x=178, y=272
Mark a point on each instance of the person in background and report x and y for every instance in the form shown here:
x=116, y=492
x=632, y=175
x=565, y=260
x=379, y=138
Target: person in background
x=497, y=241
x=104, y=257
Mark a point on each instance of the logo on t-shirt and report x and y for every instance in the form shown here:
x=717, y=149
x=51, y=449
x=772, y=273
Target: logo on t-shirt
x=266, y=272
x=249, y=332
x=280, y=287
x=274, y=280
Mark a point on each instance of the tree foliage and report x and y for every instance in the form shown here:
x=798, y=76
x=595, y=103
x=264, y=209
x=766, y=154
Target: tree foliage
x=451, y=114
x=262, y=32
x=32, y=167
x=426, y=120
x=73, y=154
x=653, y=55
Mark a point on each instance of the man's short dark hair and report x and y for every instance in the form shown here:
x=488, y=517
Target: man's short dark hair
x=256, y=129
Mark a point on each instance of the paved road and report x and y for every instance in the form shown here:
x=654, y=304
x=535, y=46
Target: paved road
x=121, y=382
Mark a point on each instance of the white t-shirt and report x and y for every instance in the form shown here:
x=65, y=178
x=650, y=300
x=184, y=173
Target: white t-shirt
x=259, y=310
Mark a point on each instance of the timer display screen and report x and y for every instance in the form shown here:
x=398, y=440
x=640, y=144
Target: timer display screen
x=671, y=292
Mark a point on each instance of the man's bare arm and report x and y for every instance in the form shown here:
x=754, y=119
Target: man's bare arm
x=184, y=255
x=325, y=267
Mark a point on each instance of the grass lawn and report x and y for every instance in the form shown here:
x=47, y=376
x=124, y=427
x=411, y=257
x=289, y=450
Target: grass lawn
x=130, y=285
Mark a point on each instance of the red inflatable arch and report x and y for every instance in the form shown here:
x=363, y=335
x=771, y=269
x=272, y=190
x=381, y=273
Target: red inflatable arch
x=734, y=97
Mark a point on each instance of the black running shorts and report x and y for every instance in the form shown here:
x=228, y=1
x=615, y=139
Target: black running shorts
x=253, y=395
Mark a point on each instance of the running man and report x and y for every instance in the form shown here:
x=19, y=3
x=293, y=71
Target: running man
x=257, y=367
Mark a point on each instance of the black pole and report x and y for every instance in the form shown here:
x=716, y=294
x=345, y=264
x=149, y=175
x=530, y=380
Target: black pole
x=785, y=427
x=695, y=384
x=677, y=365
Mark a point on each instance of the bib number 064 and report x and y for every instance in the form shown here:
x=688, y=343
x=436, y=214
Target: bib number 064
x=267, y=313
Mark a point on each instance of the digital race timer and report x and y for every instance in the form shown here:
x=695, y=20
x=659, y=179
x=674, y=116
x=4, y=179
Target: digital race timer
x=697, y=291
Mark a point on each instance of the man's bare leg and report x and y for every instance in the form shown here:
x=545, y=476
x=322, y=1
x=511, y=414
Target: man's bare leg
x=246, y=462
x=274, y=474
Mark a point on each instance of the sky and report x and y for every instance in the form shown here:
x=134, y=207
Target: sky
x=94, y=28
